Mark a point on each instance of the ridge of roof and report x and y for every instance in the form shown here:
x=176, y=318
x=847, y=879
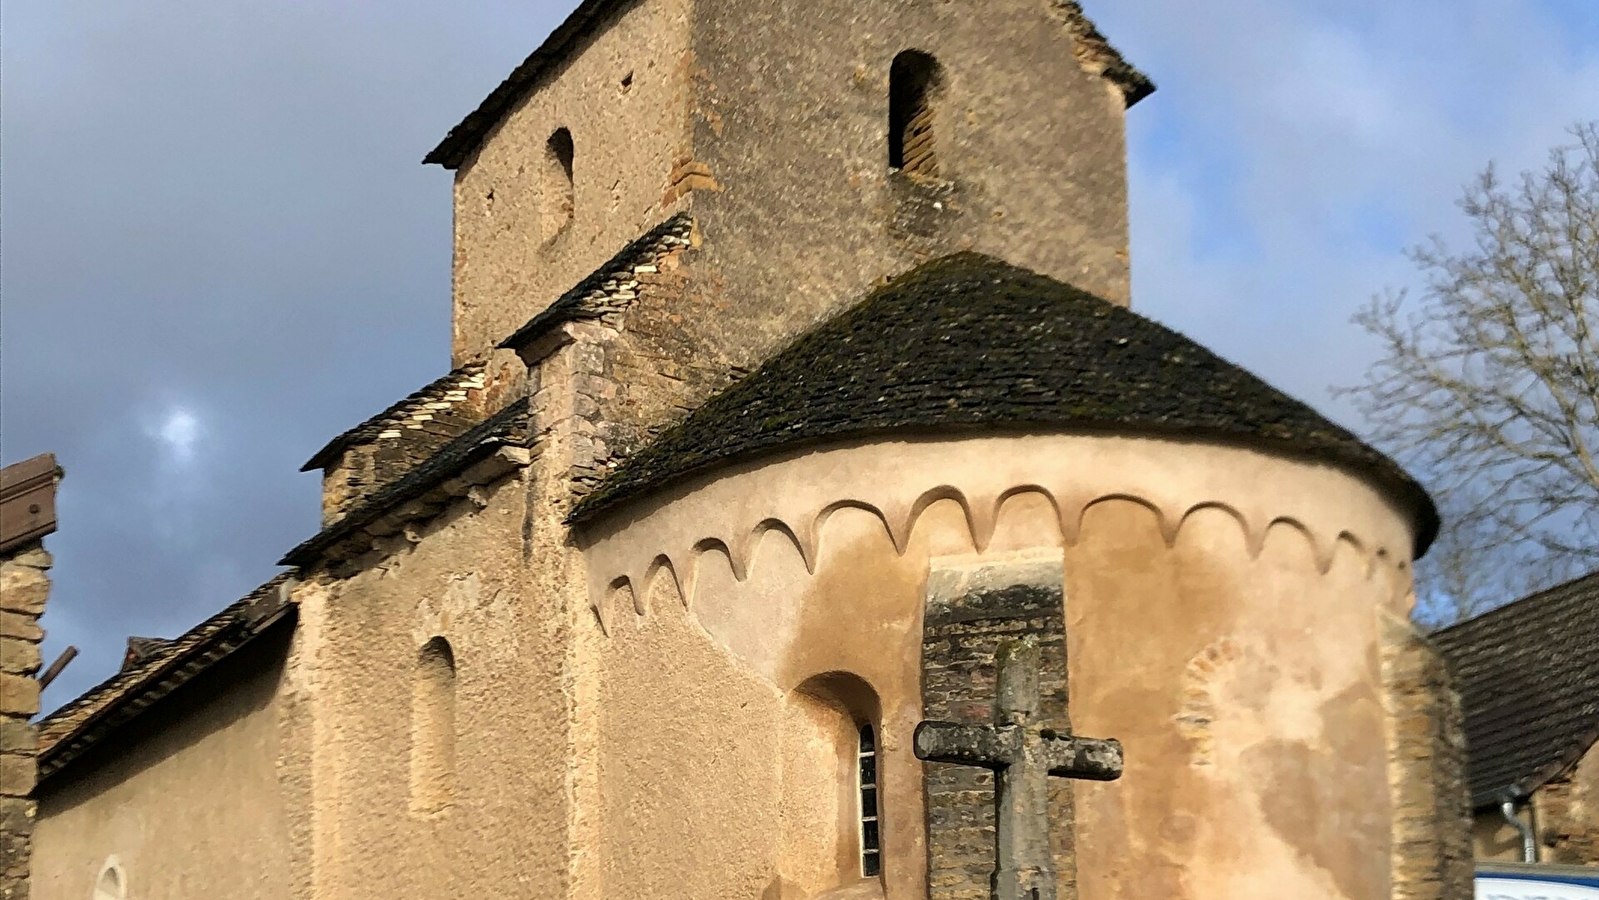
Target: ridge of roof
x=596, y=294
x=70, y=730
x=468, y=135
x=508, y=427
x=1528, y=677
x=438, y=390
x=969, y=341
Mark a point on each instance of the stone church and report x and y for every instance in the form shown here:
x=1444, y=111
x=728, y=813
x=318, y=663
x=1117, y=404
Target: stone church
x=794, y=373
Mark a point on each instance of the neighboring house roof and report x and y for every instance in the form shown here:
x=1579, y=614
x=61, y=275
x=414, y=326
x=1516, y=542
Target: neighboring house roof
x=970, y=341
x=506, y=428
x=142, y=648
x=611, y=287
x=442, y=393
x=1528, y=677
x=590, y=15
x=69, y=731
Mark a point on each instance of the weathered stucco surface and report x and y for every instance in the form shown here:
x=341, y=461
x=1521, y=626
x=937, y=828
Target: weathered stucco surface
x=1236, y=658
x=667, y=705
x=625, y=138
x=500, y=828
x=190, y=805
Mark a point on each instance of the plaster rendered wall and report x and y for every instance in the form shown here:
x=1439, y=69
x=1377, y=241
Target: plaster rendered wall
x=1221, y=611
x=625, y=141
x=502, y=829
x=190, y=807
x=800, y=213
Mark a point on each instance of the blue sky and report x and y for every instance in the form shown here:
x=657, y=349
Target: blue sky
x=220, y=248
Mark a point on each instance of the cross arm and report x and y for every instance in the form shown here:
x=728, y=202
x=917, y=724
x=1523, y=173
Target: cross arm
x=1075, y=757
x=971, y=745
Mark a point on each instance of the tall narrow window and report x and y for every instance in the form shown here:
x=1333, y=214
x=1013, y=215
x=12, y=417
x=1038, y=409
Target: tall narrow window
x=433, y=728
x=871, y=846
x=559, y=192
x=914, y=81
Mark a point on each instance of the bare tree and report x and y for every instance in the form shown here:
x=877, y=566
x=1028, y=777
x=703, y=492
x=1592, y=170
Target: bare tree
x=1488, y=387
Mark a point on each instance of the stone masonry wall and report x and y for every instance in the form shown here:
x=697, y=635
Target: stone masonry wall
x=1432, y=856
x=968, y=614
x=1567, y=817
x=24, y=587
x=637, y=370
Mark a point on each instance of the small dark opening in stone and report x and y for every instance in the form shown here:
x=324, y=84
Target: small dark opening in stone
x=627, y=82
x=914, y=81
x=559, y=190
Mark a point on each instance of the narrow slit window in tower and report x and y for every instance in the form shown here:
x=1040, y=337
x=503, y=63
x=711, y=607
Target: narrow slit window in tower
x=559, y=191
x=871, y=847
x=913, y=84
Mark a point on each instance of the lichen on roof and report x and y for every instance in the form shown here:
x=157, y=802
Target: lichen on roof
x=968, y=341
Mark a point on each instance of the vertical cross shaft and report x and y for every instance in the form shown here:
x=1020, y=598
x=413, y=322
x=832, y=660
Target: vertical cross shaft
x=1024, y=866
x=1023, y=755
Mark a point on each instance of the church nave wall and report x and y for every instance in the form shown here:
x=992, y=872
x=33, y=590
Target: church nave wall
x=460, y=767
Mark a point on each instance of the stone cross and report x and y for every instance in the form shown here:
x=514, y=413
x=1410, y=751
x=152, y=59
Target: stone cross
x=1023, y=755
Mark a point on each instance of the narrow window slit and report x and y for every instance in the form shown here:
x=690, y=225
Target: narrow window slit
x=560, y=193
x=871, y=845
x=914, y=80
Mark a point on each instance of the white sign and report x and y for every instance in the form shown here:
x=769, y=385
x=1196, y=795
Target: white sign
x=1535, y=887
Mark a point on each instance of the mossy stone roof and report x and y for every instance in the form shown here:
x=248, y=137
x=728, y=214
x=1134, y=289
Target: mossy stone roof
x=968, y=341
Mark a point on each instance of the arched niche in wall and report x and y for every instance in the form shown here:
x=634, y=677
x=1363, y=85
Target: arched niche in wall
x=832, y=816
x=433, y=728
x=559, y=200
x=112, y=883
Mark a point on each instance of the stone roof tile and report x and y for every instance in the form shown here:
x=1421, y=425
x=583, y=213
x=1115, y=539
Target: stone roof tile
x=609, y=288
x=405, y=415
x=164, y=666
x=968, y=341
x=506, y=428
x=1528, y=677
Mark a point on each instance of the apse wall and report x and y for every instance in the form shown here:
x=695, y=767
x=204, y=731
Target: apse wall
x=1221, y=612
